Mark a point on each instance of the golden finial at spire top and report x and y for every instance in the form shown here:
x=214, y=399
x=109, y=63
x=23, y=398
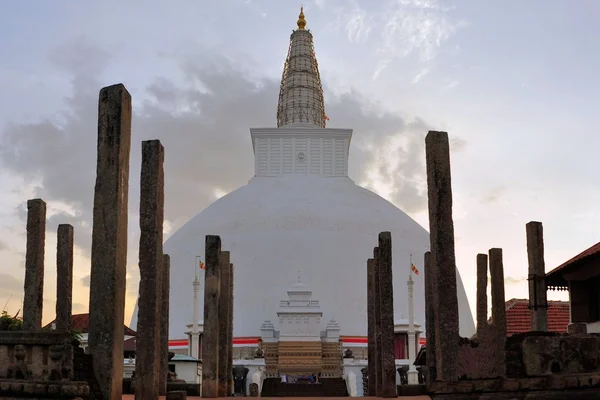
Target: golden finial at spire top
x=301, y=20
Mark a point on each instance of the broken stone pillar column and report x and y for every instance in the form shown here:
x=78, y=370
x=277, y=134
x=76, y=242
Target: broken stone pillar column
x=498, y=309
x=388, y=359
x=441, y=234
x=34, y=265
x=224, y=310
x=377, y=286
x=152, y=199
x=64, y=277
x=109, y=240
x=430, y=285
x=371, y=304
x=230, y=336
x=210, y=339
x=164, y=326
x=537, y=274
x=482, y=302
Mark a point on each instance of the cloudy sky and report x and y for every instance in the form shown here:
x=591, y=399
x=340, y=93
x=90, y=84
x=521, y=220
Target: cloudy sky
x=514, y=83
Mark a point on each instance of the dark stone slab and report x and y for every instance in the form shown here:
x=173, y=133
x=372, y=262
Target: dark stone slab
x=482, y=301
x=371, y=304
x=34, y=265
x=64, y=277
x=224, y=311
x=412, y=390
x=378, y=364
x=164, y=326
x=388, y=359
x=430, y=286
x=537, y=274
x=577, y=328
x=441, y=228
x=230, y=334
x=210, y=340
x=177, y=395
x=109, y=240
x=148, y=346
x=498, y=309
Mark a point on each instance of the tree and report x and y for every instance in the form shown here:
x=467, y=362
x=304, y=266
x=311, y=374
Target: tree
x=8, y=323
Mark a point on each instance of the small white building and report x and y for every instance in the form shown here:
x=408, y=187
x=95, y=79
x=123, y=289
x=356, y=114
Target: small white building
x=187, y=368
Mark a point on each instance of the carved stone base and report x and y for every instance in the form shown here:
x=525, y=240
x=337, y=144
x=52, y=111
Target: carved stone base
x=579, y=386
x=23, y=389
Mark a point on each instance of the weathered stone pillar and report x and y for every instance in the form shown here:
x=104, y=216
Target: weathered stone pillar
x=372, y=352
x=109, y=240
x=378, y=362
x=34, y=265
x=224, y=310
x=482, y=302
x=498, y=310
x=64, y=277
x=430, y=286
x=230, y=335
x=152, y=199
x=164, y=326
x=388, y=359
x=537, y=274
x=210, y=340
x=441, y=234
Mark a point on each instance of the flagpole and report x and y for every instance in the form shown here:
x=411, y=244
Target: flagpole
x=413, y=378
x=194, y=342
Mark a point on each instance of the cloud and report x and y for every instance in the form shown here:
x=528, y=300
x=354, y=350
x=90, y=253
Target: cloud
x=509, y=280
x=85, y=281
x=493, y=195
x=203, y=121
x=9, y=284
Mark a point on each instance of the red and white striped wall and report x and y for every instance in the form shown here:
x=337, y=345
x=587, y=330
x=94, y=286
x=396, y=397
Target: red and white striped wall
x=253, y=342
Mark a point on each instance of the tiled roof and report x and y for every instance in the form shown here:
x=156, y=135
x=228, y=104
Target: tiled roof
x=554, y=274
x=81, y=323
x=518, y=316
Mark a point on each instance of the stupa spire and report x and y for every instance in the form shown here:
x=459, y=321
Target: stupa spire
x=301, y=92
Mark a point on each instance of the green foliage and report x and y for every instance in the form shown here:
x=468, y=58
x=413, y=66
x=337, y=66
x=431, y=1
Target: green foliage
x=8, y=323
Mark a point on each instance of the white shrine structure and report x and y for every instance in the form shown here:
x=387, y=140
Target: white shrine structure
x=300, y=212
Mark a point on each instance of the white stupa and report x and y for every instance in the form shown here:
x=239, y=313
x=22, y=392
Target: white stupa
x=300, y=212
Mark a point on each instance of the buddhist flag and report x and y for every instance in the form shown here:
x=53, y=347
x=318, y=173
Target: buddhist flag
x=202, y=266
x=414, y=269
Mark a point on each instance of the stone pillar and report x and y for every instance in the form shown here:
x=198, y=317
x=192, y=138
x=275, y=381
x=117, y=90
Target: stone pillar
x=210, y=340
x=230, y=336
x=482, y=302
x=224, y=310
x=148, y=348
x=372, y=348
x=64, y=277
x=378, y=364
x=164, y=326
x=430, y=286
x=537, y=274
x=388, y=359
x=109, y=240
x=498, y=309
x=34, y=265
x=441, y=234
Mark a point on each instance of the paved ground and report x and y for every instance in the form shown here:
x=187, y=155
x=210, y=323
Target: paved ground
x=130, y=397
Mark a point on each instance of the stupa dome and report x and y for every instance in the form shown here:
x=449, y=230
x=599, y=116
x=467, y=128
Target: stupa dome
x=325, y=228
